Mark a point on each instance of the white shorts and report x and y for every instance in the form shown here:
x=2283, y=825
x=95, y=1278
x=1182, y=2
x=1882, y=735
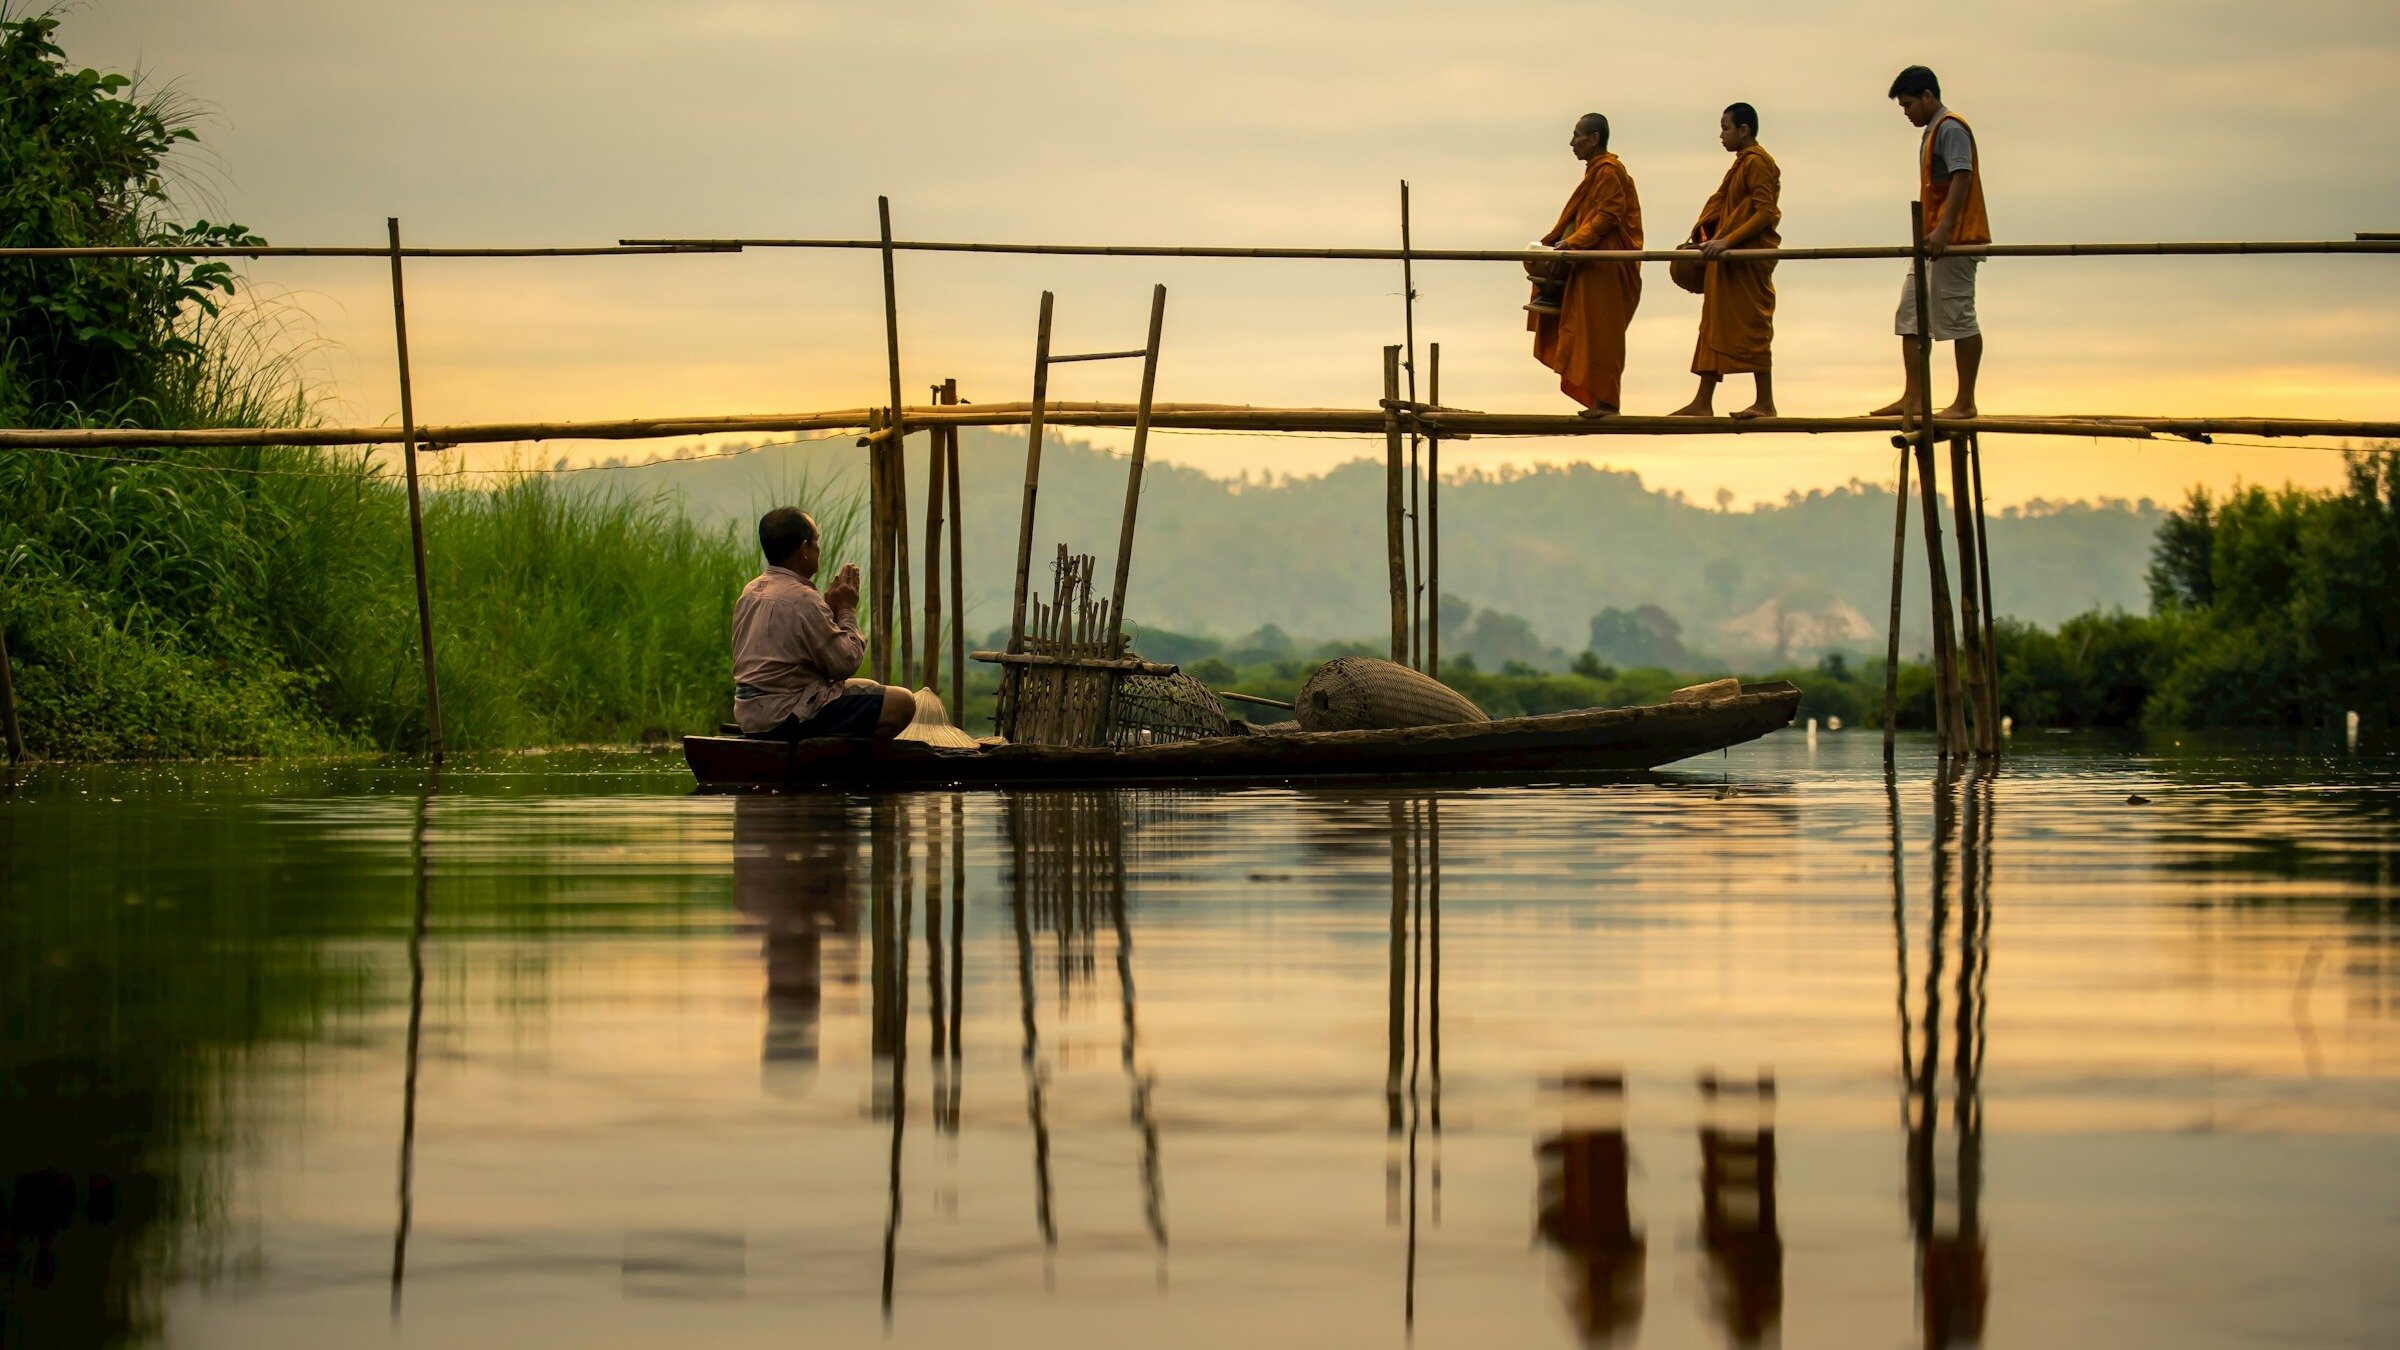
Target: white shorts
x=1952, y=283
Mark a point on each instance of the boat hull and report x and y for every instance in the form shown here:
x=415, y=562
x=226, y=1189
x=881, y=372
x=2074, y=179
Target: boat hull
x=1594, y=743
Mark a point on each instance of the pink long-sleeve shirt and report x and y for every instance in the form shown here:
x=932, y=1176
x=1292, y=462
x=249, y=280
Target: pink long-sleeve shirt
x=791, y=650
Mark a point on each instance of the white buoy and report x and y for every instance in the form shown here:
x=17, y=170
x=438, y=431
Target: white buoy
x=2350, y=724
x=1833, y=724
x=2008, y=726
x=1812, y=733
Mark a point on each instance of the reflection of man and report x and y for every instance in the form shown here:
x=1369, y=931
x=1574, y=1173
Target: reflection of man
x=1580, y=311
x=1738, y=1227
x=1585, y=1213
x=792, y=878
x=793, y=648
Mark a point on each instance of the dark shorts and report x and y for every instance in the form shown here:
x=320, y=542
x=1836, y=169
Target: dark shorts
x=851, y=714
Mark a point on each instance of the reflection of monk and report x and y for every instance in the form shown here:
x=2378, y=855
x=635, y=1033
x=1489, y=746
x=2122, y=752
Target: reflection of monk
x=1586, y=1215
x=792, y=877
x=1579, y=330
x=1738, y=1228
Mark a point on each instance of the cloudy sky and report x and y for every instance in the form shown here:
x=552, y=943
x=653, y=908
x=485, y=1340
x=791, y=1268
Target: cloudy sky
x=1250, y=122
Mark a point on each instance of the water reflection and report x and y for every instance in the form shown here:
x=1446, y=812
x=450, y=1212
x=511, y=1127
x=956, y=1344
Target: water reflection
x=662, y=1066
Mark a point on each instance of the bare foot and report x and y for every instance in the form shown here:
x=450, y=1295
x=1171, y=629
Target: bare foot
x=1699, y=407
x=1762, y=408
x=1599, y=410
x=1896, y=408
x=1958, y=410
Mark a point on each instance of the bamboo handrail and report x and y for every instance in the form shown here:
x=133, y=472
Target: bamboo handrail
x=2364, y=243
x=2168, y=248
x=355, y=251
x=1451, y=423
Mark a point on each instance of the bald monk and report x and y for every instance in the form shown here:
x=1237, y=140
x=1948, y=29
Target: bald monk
x=1583, y=338
x=1737, y=310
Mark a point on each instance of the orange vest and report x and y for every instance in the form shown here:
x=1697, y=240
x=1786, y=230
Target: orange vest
x=1973, y=227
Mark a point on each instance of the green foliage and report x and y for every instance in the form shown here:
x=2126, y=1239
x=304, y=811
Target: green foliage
x=83, y=164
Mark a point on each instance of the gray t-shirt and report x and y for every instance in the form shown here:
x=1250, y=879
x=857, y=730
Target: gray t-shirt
x=1953, y=146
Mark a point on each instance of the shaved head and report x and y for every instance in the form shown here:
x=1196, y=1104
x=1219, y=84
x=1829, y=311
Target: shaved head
x=1593, y=125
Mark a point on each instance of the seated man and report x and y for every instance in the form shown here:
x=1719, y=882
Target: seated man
x=793, y=648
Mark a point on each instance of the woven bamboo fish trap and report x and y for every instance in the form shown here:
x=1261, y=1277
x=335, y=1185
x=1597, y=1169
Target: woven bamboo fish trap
x=1150, y=709
x=1362, y=693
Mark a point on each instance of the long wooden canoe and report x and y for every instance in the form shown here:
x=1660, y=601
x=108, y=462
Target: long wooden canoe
x=1596, y=742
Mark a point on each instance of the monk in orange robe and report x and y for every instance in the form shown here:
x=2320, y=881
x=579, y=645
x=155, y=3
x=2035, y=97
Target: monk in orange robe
x=1737, y=306
x=1583, y=337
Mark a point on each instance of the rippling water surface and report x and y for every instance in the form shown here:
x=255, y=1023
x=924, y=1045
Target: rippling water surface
x=2101, y=1049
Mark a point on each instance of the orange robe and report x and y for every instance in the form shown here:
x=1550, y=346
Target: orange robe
x=1737, y=310
x=1585, y=341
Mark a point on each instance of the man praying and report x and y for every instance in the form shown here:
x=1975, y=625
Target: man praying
x=794, y=648
x=1580, y=311
x=1737, y=306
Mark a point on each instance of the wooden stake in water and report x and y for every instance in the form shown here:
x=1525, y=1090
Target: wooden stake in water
x=8, y=704
x=1395, y=567
x=1970, y=599
x=1891, y=658
x=958, y=553
x=1949, y=717
x=1416, y=522
x=1983, y=564
x=1033, y=476
x=416, y=510
x=1432, y=615
x=930, y=673
x=1133, y=477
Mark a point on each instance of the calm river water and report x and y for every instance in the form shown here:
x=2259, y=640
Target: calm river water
x=1764, y=1048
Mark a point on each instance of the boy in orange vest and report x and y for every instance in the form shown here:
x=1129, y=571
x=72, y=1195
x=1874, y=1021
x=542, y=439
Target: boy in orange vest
x=1950, y=184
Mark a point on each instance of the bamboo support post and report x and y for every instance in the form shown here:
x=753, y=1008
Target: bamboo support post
x=958, y=567
x=930, y=671
x=1970, y=600
x=9, y=729
x=1433, y=519
x=879, y=555
x=1416, y=522
x=416, y=510
x=896, y=464
x=1891, y=657
x=1033, y=475
x=1983, y=564
x=1133, y=476
x=895, y=516
x=1395, y=567
x=1949, y=718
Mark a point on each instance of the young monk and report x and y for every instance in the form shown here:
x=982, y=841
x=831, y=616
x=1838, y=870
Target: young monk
x=1950, y=184
x=1583, y=339
x=1737, y=310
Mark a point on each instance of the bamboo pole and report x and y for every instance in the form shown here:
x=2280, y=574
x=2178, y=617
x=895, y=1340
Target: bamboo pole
x=931, y=669
x=1033, y=475
x=1891, y=658
x=898, y=468
x=1182, y=416
x=1416, y=522
x=895, y=518
x=1433, y=520
x=416, y=510
x=879, y=557
x=2198, y=248
x=8, y=703
x=1133, y=476
x=1983, y=564
x=362, y=251
x=958, y=554
x=1970, y=600
x=1949, y=704
x=1395, y=567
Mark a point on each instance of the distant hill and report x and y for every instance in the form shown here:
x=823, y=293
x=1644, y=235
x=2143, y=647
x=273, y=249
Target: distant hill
x=1555, y=545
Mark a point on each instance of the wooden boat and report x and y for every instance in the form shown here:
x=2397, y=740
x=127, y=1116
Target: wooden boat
x=1591, y=743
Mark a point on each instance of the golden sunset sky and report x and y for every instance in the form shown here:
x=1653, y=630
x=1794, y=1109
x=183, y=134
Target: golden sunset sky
x=529, y=122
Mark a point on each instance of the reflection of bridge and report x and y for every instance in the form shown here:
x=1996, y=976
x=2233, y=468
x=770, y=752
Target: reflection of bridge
x=798, y=876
